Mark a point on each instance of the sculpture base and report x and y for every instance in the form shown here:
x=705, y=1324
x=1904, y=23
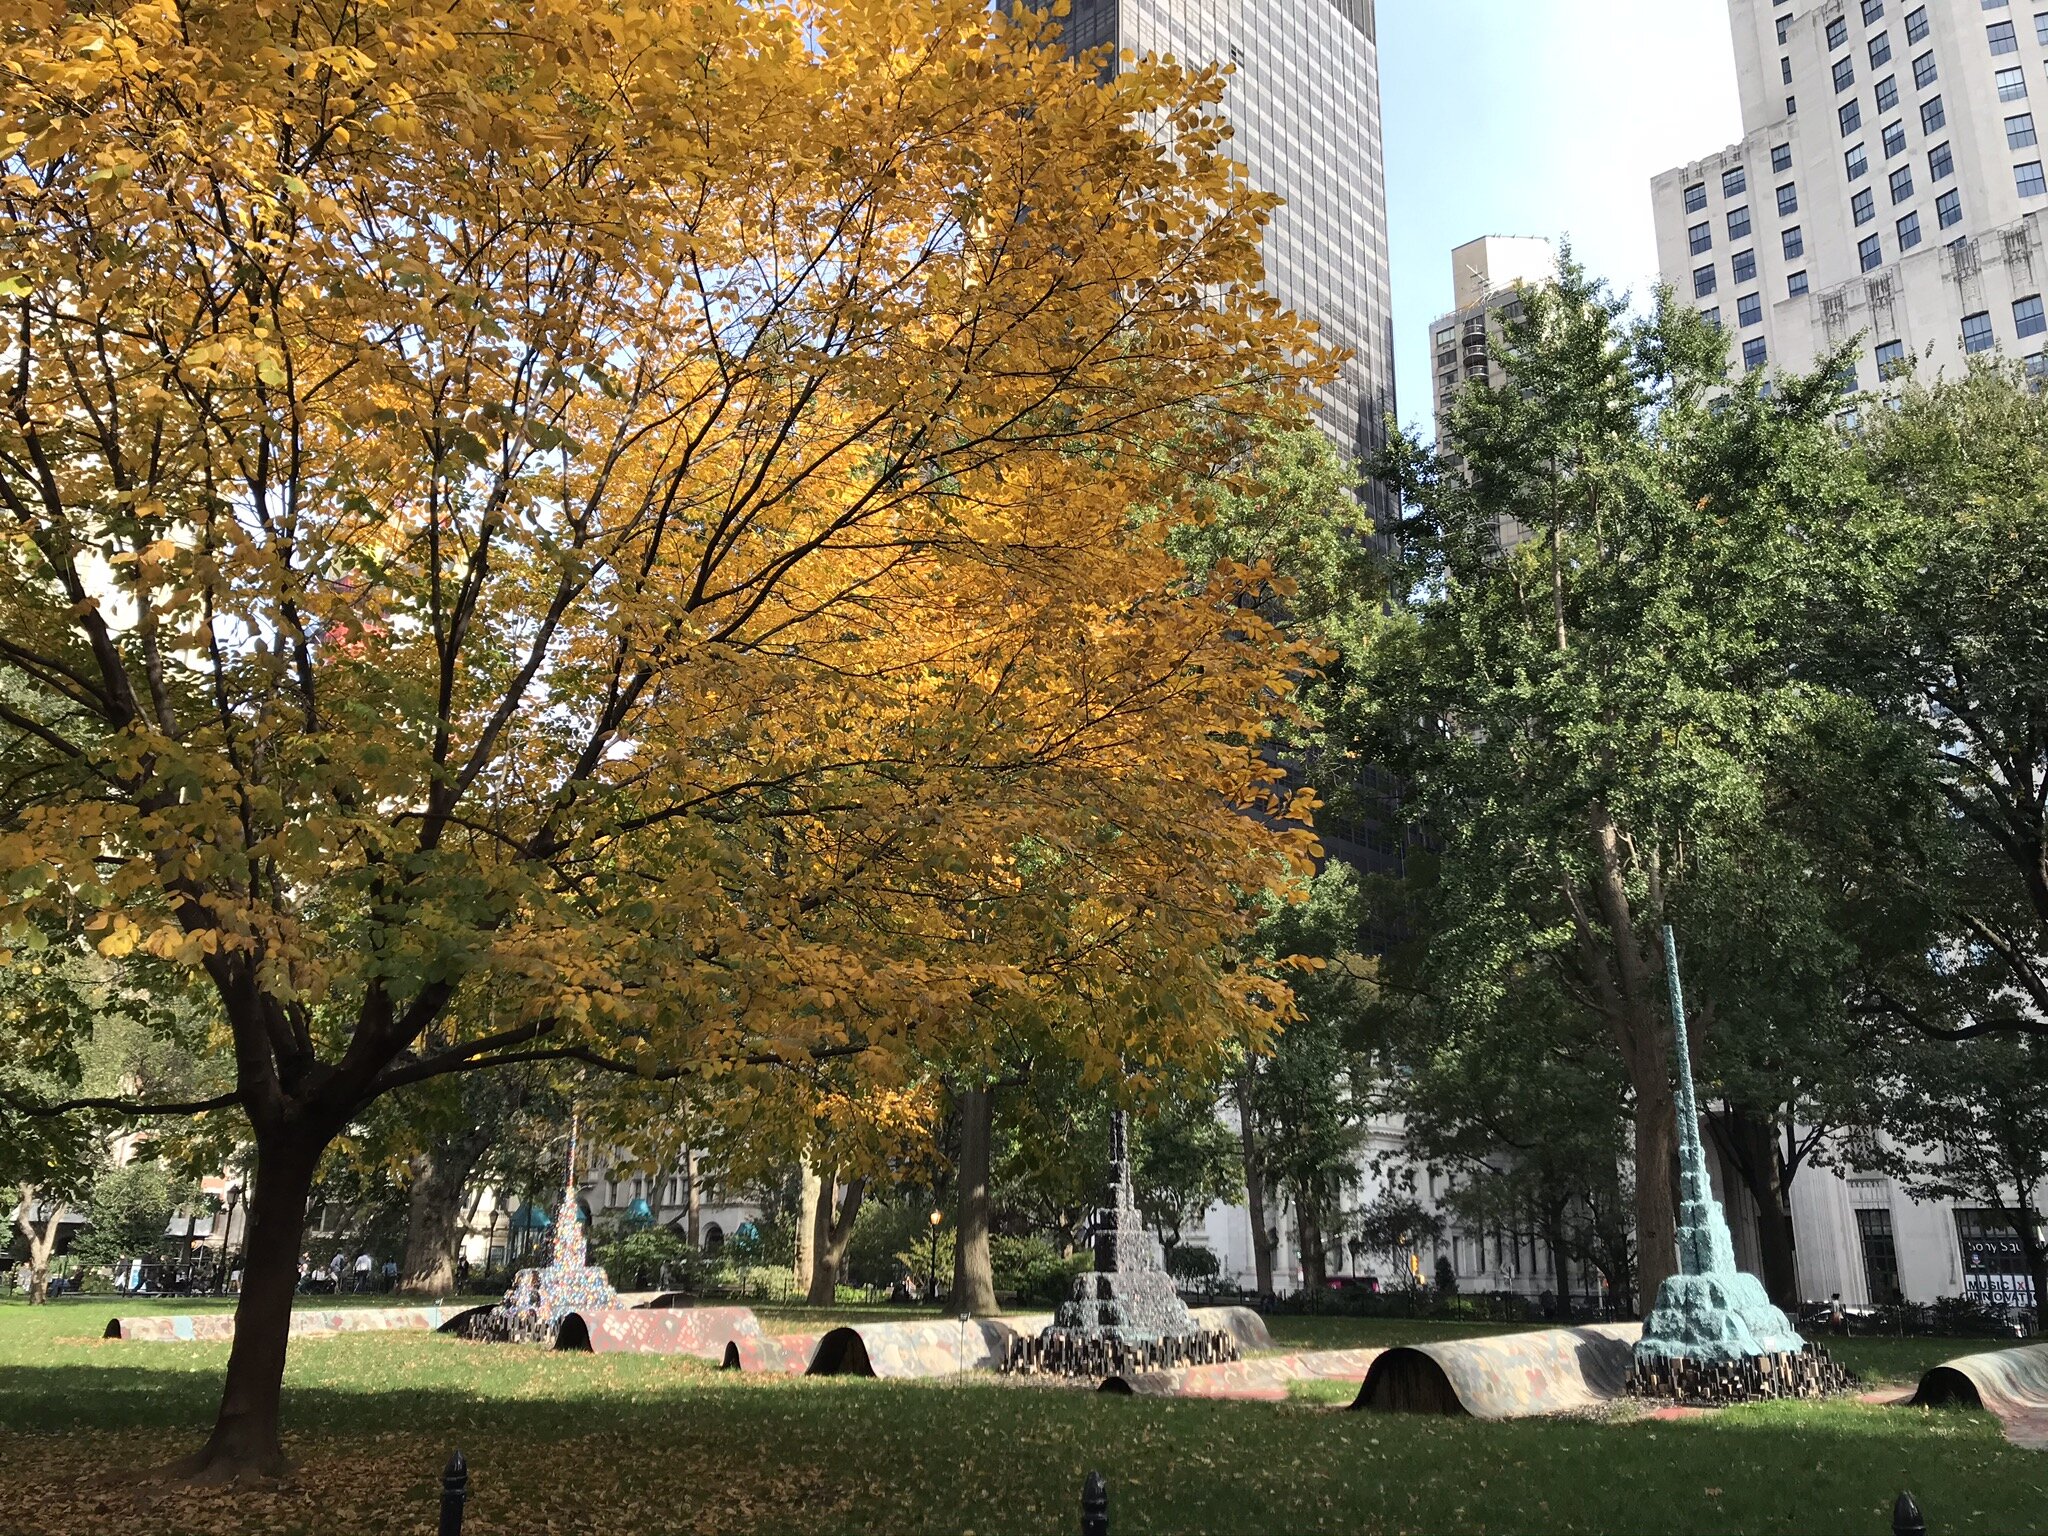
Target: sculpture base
x=1720, y=1316
x=541, y=1298
x=1808, y=1372
x=1070, y=1352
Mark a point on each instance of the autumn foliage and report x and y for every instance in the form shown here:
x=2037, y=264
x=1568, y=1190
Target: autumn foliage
x=634, y=533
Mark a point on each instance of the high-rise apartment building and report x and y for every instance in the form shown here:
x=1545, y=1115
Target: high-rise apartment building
x=1304, y=107
x=1889, y=185
x=1487, y=276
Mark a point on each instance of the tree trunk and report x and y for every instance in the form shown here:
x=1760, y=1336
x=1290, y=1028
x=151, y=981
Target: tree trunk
x=1750, y=1142
x=1308, y=1235
x=433, y=1222
x=1255, y=1199
x=974, y=1281
x=811, y=1214
x=832, y=1231
x=41, y=1243
x=1656, y=1220
x=245, y=1440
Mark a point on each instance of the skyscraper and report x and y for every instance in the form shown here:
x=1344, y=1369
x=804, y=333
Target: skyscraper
x=1304, y=105
x=1889, y=183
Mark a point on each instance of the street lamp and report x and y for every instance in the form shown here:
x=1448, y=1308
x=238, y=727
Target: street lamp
x=932, y=1270
x=227, y=1236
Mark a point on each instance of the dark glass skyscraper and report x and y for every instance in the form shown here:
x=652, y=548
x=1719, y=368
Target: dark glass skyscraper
x=1305, y=108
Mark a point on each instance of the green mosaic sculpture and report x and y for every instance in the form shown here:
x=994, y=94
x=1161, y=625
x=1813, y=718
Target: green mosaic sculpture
x=1710, y=1312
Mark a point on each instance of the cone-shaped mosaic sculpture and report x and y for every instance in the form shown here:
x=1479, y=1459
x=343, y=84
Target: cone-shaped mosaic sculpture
x=1127, y=1315
x=541, y=1298
x=1714, y=1334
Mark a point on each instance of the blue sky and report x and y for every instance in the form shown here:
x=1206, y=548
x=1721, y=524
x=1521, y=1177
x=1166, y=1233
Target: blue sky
x=1538, y=117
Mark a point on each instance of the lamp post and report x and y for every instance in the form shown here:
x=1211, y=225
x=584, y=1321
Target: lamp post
x=932, y=1269
x=227, y=1236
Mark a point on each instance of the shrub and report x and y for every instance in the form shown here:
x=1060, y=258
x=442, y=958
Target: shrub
x=634, y=1261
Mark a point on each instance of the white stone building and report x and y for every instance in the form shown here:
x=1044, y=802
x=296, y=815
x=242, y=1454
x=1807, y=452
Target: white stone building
x=1888, y=189
x=1857, y=1234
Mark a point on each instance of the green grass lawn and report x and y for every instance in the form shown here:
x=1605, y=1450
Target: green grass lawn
x=618, y=1444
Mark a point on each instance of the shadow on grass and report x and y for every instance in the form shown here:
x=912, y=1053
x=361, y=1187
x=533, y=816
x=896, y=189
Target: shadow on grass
x=618, y=1443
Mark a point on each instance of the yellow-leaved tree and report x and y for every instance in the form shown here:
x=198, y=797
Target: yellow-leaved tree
x=547, y=529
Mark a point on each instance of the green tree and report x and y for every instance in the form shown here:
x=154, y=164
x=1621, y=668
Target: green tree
x=1939, y=619
x=1968, y=1121
x=1186, y=1159
x=1583, y=719
x=1302, y=1107
x=129, y=1210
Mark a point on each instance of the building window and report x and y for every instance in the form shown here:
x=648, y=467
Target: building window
x=1870, y=252
x=1712, y=316
x=1795, y=243
x=1791, y=106
x=1696, y=197
x=1754, y=354
x=1873, y=10
x=1749, y=310
x=1924, y=72
x=1880, y=1255
x=1781, y=158
x=1891, y=359
x=1788, y=199
x=1948, y=209
x=1845, y=74
x=2037, y=371
x=1916, y=25
x=2002, y=37
x=2019, y=131
x=1855, y=162
x=1894, y=139
x=1977, y=335
x=1850, y=117
x=1743, y=268
x=1734, y=183
x=1909, y=231
x=1863, y=206
x=1702, y=238
x=1902, y=184
x=2029, y=178
x=1795, y=285
x=2012, y=84
x=1785, y=69
x=1838, y=32
x=1784, y=29
x=1704, y=282
x=1940, y=163
x=1880, y=49
x=2041, y=28
x=2028, y=319
x=1887, y=93
x=1738, y=223
x=1932, y=115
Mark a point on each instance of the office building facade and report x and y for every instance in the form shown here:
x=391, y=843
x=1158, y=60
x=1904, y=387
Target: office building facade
x=1888, y=189
x=1304, y=107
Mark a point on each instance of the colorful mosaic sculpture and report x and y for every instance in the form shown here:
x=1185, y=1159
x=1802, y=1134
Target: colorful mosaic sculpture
x=1714, y=1335
x=540, y=1298
x=1126, y=1316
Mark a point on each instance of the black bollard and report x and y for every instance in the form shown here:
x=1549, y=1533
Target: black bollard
x=1907, y=1519
x=454, y=1494
x=1094, y=1506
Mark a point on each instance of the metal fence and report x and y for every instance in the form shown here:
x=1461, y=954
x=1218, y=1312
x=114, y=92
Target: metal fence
x=1906, y=1517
